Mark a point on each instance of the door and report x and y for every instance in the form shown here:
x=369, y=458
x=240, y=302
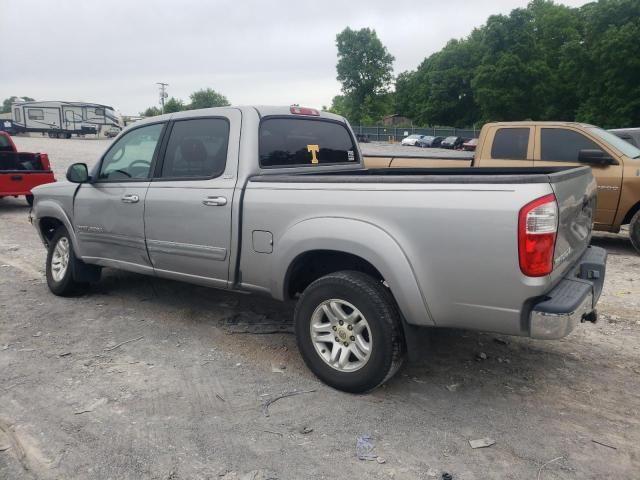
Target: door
x=108, y=212
x=188, y=204
x=72, y=118
x=560, y=146
x=507, y=147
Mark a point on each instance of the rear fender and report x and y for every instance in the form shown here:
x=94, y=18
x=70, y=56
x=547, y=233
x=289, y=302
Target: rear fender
x=361, y=239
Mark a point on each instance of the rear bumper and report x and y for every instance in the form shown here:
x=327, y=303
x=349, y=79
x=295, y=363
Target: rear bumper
x=572, y=300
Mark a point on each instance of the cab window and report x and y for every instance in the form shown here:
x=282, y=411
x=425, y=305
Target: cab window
x=131, y=156
x=510, y=144
x=298, y=142
x=197, y=148
x=562, y=145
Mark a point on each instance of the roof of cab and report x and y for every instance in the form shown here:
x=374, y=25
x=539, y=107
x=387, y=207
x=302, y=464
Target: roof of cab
x=529, y=123
x=261, y=110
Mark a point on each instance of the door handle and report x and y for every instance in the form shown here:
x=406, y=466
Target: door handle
x=214, y=201
x=130, y=199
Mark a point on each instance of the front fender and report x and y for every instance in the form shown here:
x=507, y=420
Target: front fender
x=51, y=209
x=360, y=238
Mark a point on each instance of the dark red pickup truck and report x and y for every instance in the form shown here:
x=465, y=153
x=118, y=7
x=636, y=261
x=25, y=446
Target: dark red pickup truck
x=21, y=171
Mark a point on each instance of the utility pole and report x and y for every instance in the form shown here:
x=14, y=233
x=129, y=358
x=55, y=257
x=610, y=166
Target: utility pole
x=163, y=94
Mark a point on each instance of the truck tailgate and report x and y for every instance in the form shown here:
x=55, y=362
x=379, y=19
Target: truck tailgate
x=576, y=193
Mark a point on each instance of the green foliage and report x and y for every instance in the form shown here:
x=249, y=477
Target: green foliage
x=207, y=98
x=543, y=62
x=173, y=105
x=204, y=98
x=6, y=103
x=365, y=69
x=150, y=112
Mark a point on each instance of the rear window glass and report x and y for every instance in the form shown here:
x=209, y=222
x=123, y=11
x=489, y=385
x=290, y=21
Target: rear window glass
x=297, y=142
x=510, y=144
x=19, y=162
x=197, y=148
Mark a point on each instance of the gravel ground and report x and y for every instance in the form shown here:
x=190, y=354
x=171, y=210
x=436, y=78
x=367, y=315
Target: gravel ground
x=144, y=378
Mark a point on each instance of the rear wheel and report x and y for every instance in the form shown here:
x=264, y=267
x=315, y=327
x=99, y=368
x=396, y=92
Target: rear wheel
x=634, y=231
x=348, y=331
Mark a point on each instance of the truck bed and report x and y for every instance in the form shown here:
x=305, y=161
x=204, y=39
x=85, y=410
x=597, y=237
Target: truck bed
x=483, y=175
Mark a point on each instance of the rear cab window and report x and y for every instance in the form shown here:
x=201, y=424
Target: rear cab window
x=299, y=142
x=510, y=144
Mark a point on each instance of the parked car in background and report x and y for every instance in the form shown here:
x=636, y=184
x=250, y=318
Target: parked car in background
x=21, y=171
x=275, y=200
x=428, y=141
x=363, y=138
x=631, y=135
x=452, y=142
x=470, y=145
x=111, y=132
x=411, y=140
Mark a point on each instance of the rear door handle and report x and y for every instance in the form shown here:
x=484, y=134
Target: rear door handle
x=214, y=201
x=130, y=199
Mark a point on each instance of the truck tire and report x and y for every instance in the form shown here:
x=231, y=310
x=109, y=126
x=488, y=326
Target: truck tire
x=348, y=331
x=63, y=268
x=634, y=231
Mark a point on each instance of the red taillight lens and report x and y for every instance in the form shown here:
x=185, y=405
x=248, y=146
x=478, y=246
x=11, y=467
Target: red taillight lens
x=537, y=229
x=304, y=111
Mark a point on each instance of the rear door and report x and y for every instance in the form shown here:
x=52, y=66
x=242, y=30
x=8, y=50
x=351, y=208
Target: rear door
x=507, y=146
x=188, y=206
x=108, y=212
x=559, y=146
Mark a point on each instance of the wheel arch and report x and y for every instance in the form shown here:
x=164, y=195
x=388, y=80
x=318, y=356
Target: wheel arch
x=337, y=243
x=49, y=217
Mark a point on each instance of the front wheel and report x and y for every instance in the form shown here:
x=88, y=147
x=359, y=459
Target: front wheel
x=61, y=262
x=634, y=231
x=348, y=331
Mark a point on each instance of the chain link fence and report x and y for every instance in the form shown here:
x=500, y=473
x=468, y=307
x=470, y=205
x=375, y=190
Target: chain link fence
x=386, y=134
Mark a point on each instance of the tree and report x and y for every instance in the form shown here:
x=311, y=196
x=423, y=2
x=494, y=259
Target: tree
x=207, y=98
x=365, y=69
x=6, y=103
x=173, y=105
x=150, y=112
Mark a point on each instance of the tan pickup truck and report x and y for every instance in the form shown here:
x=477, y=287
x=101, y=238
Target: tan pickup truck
x=615, y=163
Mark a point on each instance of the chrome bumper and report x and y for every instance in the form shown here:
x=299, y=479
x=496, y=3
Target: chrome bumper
x=572, y=300
x=549, y=326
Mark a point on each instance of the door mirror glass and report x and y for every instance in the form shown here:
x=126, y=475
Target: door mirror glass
x=78, y=173
x=595, y=157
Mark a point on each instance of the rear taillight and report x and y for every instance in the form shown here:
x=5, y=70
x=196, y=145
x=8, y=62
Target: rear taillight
x=296, y=110
x=537, y=229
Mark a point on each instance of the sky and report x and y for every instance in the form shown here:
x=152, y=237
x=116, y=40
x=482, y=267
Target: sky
x=252, y=51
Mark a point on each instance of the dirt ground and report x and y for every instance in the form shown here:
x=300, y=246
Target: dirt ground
x=144, y=378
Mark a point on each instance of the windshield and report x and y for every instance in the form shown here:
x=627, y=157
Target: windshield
x=625, y=147
x=450, y=139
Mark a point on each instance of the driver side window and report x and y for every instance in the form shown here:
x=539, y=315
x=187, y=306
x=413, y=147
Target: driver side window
x=131, y=156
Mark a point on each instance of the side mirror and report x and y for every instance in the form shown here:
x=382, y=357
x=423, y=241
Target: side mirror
x=596, y=157
x=78, y=173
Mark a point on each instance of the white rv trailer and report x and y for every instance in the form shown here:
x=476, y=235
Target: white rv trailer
x=63, y=119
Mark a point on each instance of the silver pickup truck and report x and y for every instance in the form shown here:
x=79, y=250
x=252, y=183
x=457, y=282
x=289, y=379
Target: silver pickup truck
x=275, y=200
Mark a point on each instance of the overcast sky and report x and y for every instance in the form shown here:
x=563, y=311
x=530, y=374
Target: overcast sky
x=252, y=51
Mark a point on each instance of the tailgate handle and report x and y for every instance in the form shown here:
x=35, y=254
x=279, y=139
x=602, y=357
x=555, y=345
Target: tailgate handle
x=16, y=178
